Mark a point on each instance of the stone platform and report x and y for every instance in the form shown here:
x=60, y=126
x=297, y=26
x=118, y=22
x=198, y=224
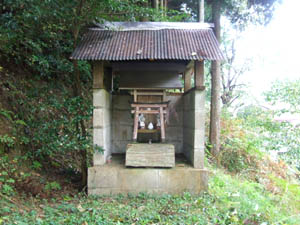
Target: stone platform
x=115, y=178
x=150, y=155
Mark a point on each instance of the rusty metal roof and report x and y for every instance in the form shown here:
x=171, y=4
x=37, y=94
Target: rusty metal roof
x=156, y=44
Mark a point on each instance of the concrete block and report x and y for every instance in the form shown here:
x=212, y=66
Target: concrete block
x=173, y=181
x=98, y=118
x=98, y=159
x=119, y=146
x=103, y=191
x=106, y=136
x=199, y=138
x=98, y=136
x=188, y=151
x=98, y=179
x=204, y=179
x=101, y=98
x=189, y=101
x=122, y=132
x=178, y=146
x=101, y=124
x=198, y=158
x=176, y=102
x=122, y=117
x=199, y=99
x=189, y=119
x=102, y=138
x=121, y=102
x=200, y=119
x=181, y=180
x=107, y=118
x=175, y=118
x=115, y=179
x=174, y=133
x=138, y=180
x=189, y=136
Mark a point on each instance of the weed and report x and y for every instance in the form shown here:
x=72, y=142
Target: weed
x=52, y=186
x=230, y=200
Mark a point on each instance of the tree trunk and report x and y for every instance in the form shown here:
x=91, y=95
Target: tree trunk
x=201, y=11
x=80, y=126
x=215, y=108
x=77, y=91
x=155, y=4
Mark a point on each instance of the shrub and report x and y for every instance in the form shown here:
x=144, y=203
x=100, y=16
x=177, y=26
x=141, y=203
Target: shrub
x=239, y=148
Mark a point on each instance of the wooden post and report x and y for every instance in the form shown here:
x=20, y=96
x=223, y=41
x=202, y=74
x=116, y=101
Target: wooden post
x=199, y=74
x=164, y=96
x=187, y=79
x=98, y=74
x=162, y=124
x=135, y=95
x=136, y=123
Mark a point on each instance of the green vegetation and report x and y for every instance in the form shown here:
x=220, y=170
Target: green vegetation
x=47, y=93
x=230, y=200
x=45, y=142
x=249, y=188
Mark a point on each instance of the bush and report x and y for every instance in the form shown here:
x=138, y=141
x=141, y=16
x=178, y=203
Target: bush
x=271, y=135
x=239, y=148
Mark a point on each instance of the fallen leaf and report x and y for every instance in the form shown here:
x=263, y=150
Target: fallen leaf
x=80, y=209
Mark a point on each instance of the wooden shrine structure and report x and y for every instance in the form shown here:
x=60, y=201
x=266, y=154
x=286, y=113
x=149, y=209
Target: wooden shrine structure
x=148, y=98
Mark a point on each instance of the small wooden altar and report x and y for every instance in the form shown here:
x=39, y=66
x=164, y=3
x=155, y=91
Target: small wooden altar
x=147, y=108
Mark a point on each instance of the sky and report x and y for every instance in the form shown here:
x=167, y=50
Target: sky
x=274, y=48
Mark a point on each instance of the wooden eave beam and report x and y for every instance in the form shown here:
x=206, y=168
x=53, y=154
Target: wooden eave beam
x=199, y=74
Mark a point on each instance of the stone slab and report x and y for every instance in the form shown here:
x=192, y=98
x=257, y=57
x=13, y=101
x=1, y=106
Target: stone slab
x=150, y=155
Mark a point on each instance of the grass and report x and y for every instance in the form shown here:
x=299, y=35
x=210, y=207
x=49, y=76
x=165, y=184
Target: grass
x=230, y=200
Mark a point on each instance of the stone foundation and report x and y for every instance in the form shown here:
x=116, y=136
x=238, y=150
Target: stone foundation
x=115, y=178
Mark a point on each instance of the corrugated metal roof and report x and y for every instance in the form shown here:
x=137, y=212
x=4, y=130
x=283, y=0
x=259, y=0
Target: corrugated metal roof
x=153, y=25
x=170, y=44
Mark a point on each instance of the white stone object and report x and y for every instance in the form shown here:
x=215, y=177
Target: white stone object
x=150, y=126
x=141, y=118
x=157, y=121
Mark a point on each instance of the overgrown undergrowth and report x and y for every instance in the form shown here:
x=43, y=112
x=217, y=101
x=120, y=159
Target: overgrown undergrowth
x=247, y=188
x=230, y=200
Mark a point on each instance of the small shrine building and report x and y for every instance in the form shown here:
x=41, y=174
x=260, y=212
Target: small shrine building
x=149, y=105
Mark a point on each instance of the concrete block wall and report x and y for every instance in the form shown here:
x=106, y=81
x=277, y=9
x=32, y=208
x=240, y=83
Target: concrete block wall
x=122, y=123
x=102, y=124
x=194, y=127
x=174, y=127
